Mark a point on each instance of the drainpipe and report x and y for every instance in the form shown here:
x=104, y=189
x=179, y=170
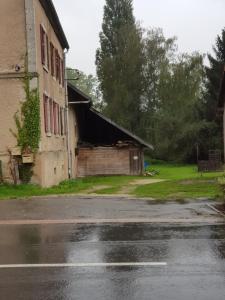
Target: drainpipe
x=67, y=116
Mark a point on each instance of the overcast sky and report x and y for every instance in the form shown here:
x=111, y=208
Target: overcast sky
x=196, y=23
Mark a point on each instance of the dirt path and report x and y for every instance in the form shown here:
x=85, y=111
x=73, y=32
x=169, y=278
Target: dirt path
x=131, y=186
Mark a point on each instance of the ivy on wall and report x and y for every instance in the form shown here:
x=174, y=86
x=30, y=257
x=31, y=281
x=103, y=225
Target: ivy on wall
x=28, y=120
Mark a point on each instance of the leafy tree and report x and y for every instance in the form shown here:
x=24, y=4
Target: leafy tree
x=178, y=121
x=172, y=98
x=119, y=62
x=88, y=84
x=158, y=53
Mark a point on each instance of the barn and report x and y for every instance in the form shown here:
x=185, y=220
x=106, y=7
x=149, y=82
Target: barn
x=103, y=148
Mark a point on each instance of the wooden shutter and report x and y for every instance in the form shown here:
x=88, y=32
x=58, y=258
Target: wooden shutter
x=55, y=118
x=47, y=51
x=57, y=64
x=63, y=73
x=42, y=39
x=61, y=120
x=58, y=111
x=60, y=73
x=52, y=49
x=51, y=116
x=65, y=121
x=45, y=98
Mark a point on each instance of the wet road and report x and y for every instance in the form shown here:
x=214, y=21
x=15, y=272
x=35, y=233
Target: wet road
x=72, y=261
x=194, y=256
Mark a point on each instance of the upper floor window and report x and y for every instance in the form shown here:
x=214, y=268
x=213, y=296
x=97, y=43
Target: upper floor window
x=52, y=59
x=44, y=47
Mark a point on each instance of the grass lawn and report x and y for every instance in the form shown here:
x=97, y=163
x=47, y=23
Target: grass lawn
x=181, y=182
x=113, y=183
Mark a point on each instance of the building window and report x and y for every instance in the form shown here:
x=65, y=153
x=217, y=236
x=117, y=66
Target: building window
x=55, y=117
x=57, y=64
x=59, y=121
x=63, y=72
x=62, y=115
x=52, y=56
x=44, y=48
x=47, y=115
x=51, y=116
x=65, y=121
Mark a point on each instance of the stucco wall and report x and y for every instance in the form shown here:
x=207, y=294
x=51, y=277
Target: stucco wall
x=12, y=35
x=12, y=53
x=53, y=156
x=52, y=159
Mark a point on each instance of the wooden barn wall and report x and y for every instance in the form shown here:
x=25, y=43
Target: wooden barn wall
x=103, y=161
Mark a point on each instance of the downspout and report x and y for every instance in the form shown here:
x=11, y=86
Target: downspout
x=67, y=116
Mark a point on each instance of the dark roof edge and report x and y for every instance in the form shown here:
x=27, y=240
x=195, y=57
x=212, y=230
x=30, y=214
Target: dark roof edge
x=73, y=87
x=133, y=136
x=52, y=15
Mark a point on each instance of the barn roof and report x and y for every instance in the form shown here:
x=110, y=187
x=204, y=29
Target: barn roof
x=94, y=127
x=52, y=15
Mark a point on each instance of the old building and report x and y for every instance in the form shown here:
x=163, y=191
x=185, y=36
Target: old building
x=75, y=140
x=103, y=147
x=33, y=42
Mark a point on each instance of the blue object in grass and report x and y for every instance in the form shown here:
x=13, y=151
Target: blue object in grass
x=146, y=164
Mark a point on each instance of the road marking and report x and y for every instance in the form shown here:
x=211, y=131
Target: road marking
x=210, y=220
x=89, y=265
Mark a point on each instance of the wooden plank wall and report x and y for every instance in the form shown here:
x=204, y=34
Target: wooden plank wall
x=103, y=161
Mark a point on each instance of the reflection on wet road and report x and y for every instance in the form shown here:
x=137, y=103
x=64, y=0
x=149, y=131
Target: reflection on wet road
x=195, y=255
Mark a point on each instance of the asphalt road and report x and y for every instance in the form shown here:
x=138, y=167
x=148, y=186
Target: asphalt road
x=111, y=260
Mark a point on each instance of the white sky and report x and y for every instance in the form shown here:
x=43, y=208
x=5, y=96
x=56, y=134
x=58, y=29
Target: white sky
x=196, y=23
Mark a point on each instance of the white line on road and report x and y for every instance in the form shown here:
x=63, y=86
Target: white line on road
x=89, y=265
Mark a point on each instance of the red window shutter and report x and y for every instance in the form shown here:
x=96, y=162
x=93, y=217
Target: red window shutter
x=42, y=39
x=65, y=121
x=63, y=73
x=46, y=113
x=55, y=118
x=60, y=74
x=61, y=121
x=52, y=59
x=59, y=127
x=57, y=64
x=47, y=49
x=51, y=116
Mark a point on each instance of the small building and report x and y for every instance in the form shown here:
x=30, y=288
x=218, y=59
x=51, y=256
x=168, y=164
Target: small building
x=103, y=147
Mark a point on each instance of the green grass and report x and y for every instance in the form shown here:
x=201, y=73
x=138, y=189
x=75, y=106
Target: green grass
x=181, y=182
x=67, y=187
x=179, y=172
x=179, y=190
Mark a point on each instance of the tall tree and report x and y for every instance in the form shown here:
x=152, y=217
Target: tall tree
x=172, y=98
x=119, y=62
x=210, y=101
